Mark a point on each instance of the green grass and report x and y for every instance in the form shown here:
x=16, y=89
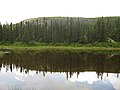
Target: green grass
x=102, y=48
x=23, y=49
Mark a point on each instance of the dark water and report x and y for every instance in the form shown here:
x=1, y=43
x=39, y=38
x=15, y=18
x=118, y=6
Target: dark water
x=59, y=71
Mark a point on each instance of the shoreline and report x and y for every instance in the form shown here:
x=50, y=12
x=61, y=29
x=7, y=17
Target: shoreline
x=97, y=50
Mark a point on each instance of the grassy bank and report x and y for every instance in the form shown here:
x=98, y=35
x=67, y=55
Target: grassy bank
x=34, y=44
x=93, y=49
x=102, y=48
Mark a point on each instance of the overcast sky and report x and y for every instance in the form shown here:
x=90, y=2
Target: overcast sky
x=17, y=10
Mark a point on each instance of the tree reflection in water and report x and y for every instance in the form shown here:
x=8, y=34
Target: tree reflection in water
x=67, y=62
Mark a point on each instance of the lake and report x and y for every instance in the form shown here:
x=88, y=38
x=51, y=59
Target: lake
x=59, y=71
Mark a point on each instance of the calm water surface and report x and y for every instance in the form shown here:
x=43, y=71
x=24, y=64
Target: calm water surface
x=59, y=71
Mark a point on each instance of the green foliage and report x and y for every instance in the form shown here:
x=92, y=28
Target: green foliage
x=33, y=43
x=58, y=31
x=19, y=44
x=105, y=44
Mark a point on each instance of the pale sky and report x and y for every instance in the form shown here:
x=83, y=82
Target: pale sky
x=17, y=10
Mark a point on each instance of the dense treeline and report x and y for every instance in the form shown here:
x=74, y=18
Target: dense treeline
x=62, y=30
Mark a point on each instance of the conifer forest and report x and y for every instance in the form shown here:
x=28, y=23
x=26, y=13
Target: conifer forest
x=62, y=30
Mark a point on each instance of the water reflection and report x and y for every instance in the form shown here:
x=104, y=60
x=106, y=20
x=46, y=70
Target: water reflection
x=69, y=63
x=69, y=70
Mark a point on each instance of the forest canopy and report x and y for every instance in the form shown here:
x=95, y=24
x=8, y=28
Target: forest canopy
x=62, y=30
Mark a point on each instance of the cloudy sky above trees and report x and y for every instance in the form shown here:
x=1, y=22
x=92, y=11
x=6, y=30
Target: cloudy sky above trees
x=17, y=10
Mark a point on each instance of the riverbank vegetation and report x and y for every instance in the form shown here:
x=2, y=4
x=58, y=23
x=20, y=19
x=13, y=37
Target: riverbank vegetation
x=23, y=48
x=96, y=44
